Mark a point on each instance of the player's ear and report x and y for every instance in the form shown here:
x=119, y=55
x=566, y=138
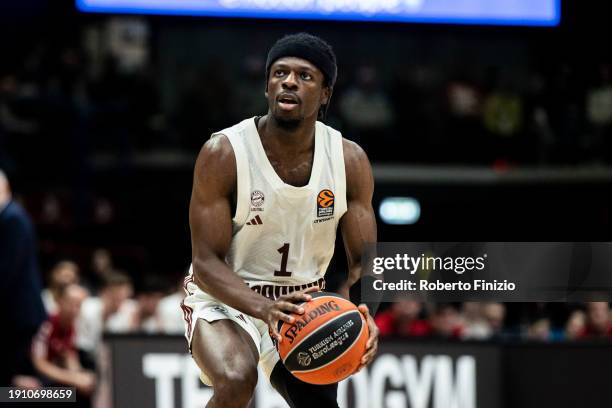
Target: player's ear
x=326, y=95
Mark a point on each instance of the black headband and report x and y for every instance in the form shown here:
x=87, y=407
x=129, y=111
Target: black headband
x=307, y=47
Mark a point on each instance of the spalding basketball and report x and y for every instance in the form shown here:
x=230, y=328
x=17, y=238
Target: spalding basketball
x=325, y=344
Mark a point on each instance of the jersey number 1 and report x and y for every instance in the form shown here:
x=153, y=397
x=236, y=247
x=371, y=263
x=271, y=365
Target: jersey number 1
x=284, y=251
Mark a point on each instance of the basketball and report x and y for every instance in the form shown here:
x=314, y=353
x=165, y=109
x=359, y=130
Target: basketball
x=325, y=344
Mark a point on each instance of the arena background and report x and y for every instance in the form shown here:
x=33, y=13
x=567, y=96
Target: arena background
x=493, y=133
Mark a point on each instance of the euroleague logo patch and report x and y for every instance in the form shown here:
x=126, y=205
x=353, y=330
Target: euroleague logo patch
x=304, y=359
x=325, y=203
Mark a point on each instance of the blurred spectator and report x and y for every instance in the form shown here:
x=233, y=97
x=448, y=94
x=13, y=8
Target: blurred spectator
x=475, y=326
x=503, y=110
x=503, y=119
x=366, y=108
x=101, y=267
x=170, y=313
x=540, y=330
x=106, y=312
x=463, y=127
x=540, y=135
x=575, y=325
x=463, y=97
x=445, y=322
x=598, y=324
x=251, y=93
x=402, y=319
x=205, y=104
x=565, y=107
x=53, y=350
x=52, y=211
x=14, y=125
x=144, y=316
x=599, y=112
x=128, y=43
x=62, y=274
x=21, y=307
x=12, y=92
x=494, y=314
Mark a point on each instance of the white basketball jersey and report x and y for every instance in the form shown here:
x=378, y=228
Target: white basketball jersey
x=284, y=236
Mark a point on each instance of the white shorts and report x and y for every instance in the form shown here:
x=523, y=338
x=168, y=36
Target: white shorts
x=200, y=305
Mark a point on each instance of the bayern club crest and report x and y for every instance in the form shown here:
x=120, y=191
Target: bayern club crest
x=257, y=198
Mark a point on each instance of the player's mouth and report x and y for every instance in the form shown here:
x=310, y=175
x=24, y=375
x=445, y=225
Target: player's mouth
x=287, y=101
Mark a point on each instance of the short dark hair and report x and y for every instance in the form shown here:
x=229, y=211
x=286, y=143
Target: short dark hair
x=116, y=278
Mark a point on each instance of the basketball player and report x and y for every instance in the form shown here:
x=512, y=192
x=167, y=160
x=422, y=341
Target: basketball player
x=268, y=195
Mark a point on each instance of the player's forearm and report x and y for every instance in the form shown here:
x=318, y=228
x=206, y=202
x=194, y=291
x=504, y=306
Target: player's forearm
x=358, y=280
x=214, y=277
x=354, y=274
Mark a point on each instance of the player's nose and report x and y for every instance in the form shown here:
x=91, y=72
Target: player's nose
x=290, y=81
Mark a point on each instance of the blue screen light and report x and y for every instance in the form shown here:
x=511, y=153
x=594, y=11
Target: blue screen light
x=494, y=12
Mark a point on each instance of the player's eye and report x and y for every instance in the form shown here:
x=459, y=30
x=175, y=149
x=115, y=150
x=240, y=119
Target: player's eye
x=306, y=76
x=279, y=73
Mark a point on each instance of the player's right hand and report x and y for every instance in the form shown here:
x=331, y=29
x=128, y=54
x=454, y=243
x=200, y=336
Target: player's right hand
x=277, y=310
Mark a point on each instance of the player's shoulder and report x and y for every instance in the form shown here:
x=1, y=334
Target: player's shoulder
x=215, y=170
x=357, y=168
x=216, y=156
x=219, y=149
x=354, y=155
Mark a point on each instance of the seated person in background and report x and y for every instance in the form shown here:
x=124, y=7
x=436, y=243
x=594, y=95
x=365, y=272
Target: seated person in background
x=402, y=319
x=101, y=266
x=475, y=325
x=540, y=330
x=54, y=354
x=575, y=325
x=62, y=274
x=494, y=314
x=445, y=322
x=598, y=324
x=109, y=311
x=144, y=316
x=170, y=313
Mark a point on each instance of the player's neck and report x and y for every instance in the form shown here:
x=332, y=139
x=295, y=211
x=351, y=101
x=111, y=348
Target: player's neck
x=297, y=140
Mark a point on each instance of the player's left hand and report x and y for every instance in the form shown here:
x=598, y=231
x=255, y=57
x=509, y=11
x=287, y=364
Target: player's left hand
x=372, y=344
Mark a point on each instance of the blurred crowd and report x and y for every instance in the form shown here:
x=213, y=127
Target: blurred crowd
x=56, y=326
x=106, y=92
x=82, y=309
x=545, y=322
x=54, y=322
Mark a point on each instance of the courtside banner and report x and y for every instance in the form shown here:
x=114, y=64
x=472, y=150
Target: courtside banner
x=158, y=372
x=488, y=271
